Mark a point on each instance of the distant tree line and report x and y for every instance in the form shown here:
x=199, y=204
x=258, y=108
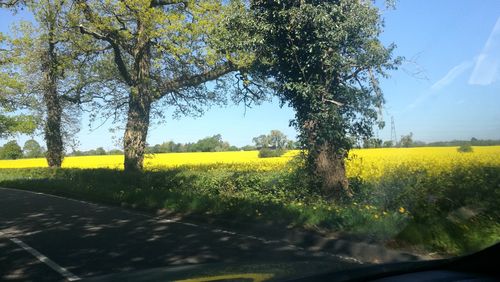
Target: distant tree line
x=100, y=151
x=407, y=141
x=275, y=140
x=273, y=144
x=472, y=142
x=208, y=144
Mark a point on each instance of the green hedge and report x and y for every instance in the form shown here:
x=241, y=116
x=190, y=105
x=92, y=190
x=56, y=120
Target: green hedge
x=271, y=153
x=452, y=212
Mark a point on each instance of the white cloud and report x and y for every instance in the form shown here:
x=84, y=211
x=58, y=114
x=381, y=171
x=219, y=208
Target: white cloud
x=487, y=67
x=451, y=75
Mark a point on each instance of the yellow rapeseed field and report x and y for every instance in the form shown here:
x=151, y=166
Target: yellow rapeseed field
x=366, y=163
x=373, y=163
x=159, y=161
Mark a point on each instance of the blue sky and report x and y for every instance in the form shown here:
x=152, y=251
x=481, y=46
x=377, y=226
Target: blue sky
x=449, y=88
x=457, y=46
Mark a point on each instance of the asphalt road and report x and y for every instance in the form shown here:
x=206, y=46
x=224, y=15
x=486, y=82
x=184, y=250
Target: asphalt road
x=49, y=238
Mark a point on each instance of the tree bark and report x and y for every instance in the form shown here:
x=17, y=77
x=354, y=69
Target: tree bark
x=136, y=131
x=325, y=163
x=139, y=107
x=53, y=135
x=330, y=168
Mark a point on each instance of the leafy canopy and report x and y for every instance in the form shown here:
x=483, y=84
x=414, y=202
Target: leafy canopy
x=325, y=57
x=12, y=102
x=32, y=149
x=187, y=44
x=11, y=150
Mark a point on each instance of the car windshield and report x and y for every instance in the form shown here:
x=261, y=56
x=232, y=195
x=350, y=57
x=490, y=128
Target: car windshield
x=140, y=134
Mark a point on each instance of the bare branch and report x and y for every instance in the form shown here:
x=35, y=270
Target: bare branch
x=9, y=4
x=414, y=69
x=333, y=102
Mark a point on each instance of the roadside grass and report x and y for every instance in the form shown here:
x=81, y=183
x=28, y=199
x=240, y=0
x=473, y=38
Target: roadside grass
x=451, y=212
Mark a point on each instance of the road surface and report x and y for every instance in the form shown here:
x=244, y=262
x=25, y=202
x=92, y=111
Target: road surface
x=50, y=238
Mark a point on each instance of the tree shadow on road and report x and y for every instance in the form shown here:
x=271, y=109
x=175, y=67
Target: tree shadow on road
x=91, y=240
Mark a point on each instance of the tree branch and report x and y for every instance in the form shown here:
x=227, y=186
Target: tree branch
x=333, y=102
x=194, y=80
x=354, y=74
x=158, y=3
x=122, y=67
x=377, y=90
x=94, y=34
x=374, y=82
x=325, y=100
x=9, y=4
x=109, y=37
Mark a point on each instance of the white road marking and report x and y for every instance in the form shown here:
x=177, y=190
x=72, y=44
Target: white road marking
x=50, y=263
x=216, y=230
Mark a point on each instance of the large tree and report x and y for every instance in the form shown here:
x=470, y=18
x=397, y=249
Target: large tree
x=51, y=71
x=32, y=149
x=11, y=150
x=261, y=141
x=164, y=51
x=325, y=58
x=275, y=139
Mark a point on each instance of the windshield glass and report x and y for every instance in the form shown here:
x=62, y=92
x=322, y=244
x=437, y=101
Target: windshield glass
x=142, y=134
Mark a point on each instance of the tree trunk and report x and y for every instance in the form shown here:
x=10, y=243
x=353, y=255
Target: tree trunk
x=53, y=135
x=330, y=168
x=139, y=107
x=136, y=131
x=325, y=163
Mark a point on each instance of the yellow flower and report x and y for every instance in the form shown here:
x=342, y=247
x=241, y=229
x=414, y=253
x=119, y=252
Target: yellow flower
x=401, y=210
x=376, y=216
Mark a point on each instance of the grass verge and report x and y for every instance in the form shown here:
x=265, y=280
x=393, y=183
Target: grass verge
x=452, y=213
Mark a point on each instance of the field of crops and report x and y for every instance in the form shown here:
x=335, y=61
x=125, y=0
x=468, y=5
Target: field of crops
x=374, y=163
x=365, y=163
